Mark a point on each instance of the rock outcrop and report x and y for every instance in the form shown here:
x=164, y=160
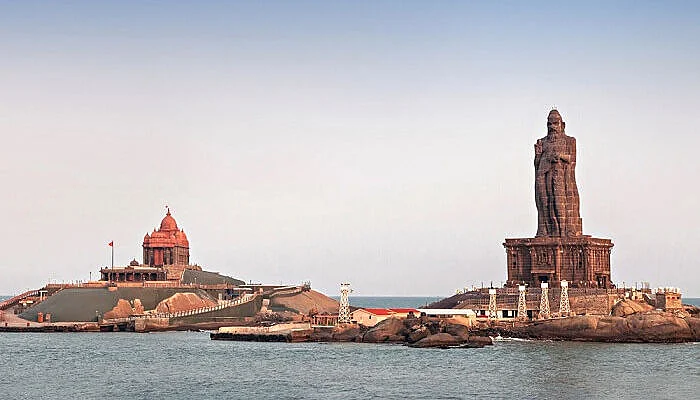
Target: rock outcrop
x=424, y=332
x=304, y=302
x=389, y=330
x=124, y=309
x=650, y=326
x=629, y=307
x=180, y=302
x=346, y=333
x=438, y=340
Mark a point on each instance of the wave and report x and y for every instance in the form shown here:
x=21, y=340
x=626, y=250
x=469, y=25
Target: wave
x=500, y=338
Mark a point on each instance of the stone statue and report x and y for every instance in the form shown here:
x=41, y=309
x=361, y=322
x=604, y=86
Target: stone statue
x=556, y=194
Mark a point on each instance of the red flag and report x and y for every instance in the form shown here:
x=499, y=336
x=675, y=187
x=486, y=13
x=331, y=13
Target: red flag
x=111, y=244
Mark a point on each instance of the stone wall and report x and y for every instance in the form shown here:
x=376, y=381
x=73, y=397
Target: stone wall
x=591, y=301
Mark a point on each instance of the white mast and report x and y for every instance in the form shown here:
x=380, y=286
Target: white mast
x=564, y=306
x=344, y=310
x=544, y=301
x=522, y=304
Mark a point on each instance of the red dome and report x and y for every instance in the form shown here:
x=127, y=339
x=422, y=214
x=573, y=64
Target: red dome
x=168, y=223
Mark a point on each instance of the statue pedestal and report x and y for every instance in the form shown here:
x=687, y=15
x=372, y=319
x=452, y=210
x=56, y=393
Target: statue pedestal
x=583, y=261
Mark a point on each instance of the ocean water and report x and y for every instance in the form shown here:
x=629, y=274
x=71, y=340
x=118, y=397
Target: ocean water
x=185, y=365
x=188, y=365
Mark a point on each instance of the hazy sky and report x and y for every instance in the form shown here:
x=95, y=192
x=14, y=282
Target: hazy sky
x=384, y=143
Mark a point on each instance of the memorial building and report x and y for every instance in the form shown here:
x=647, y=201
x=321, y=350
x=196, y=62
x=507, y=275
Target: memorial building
x=166, y=255
x=559, y=251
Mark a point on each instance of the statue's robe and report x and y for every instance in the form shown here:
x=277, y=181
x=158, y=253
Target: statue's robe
x=556, y=194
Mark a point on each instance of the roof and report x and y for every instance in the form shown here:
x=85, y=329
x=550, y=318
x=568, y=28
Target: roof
x=446, y=311
x=377, y=311
x=168, y=223
x=168, y=235
x=404, y=310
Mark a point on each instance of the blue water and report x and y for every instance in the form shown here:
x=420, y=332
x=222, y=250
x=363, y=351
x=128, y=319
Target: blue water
x=184, y=365
x=692, y=300
x=188, y=365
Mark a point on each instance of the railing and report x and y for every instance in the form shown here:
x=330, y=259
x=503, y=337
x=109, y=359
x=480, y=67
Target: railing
x=14, y=300
x=222, y=305
x=286, y=291
x=577, y=290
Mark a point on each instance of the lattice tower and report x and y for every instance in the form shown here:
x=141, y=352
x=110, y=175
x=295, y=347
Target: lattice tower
x=492, y=304
x=344, y=310
x=564, y=306
x=522, y=304
x=544, y=301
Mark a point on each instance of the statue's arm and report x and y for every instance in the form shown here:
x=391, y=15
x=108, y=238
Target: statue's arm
x=570, y=155
x=538, y=152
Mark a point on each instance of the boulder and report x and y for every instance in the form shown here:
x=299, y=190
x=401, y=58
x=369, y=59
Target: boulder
x=421, y=332
x=694, y=325
x=138, y=307
x=692, y=311
x=650, y=326
x=185, y=301
x=658, y=326
x=629, y=307
x=322, y=335
x=346, y=333
x=479, y=341
x=459, y=331
x=123, y=309
x=437, y=340
x=389, y=330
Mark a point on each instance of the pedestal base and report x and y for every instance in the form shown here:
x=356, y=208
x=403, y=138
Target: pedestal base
x=583, y=261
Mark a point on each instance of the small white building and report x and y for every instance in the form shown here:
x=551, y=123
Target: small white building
x=463, y=313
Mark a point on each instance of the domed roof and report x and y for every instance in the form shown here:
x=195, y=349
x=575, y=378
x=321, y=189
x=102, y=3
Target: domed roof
x=181, y=238
x=168, y=223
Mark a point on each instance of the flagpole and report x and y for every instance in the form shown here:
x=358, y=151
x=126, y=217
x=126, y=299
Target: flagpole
x=112, y=246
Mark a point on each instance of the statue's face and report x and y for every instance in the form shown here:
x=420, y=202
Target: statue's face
x=554, y=124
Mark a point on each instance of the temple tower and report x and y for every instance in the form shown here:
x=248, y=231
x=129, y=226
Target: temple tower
x=166, y=246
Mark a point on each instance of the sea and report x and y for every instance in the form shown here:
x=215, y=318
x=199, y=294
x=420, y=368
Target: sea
x=188, y=365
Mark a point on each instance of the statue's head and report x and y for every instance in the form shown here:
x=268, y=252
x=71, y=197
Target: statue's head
x=555, y=125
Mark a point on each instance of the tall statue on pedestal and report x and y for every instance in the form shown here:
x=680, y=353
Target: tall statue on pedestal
x=556, y=194
x=559, y=251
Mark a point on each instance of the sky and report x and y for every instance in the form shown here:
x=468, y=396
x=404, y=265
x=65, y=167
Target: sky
x=388, y=144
